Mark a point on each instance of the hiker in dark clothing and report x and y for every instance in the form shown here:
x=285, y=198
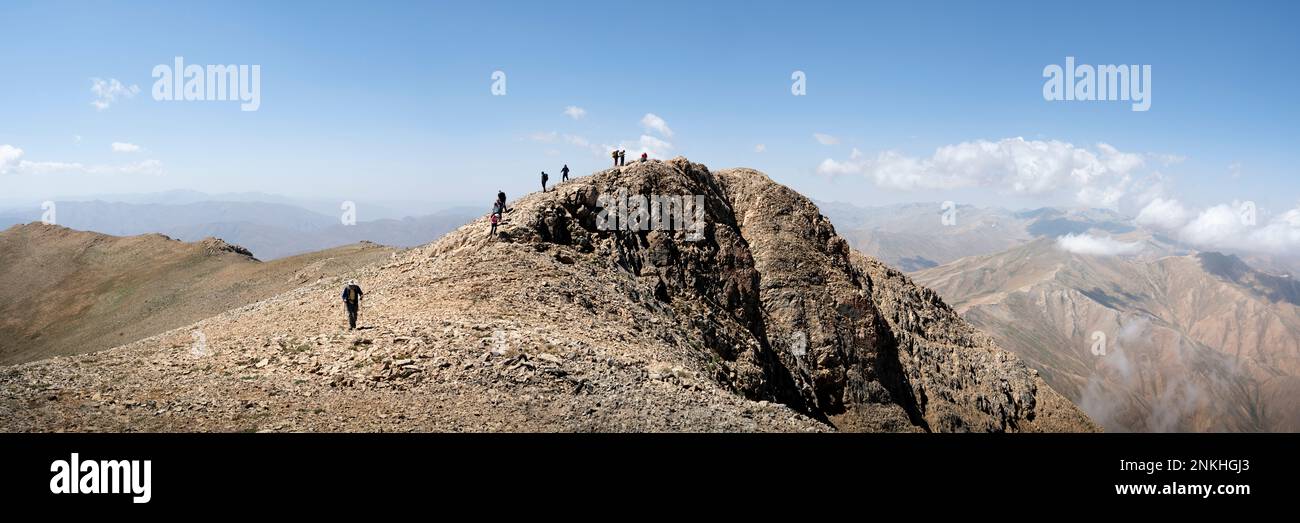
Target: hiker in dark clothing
x=614, y=154
x=501, y=201
x=352, y=300
x=622, y=157
x=564, y=173
x=544, y=178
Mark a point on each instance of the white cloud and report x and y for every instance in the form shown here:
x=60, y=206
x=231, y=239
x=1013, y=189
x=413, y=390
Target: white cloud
x=1164, y=214
x=1096, y=246
x=651, y=122
x=826, y=139
x=108, y=91
x=575, y=112
x=1100, y=176
x=760, y=148
x=11, y=162
x=652, y=146
x=122, y=147
x=1225, y=226
x=646, y=143
x=1229, y=226
x=9, y=158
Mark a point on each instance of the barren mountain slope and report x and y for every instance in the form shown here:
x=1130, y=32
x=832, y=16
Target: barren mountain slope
x=766, y=323
x=1195, y=343
x=73, y=292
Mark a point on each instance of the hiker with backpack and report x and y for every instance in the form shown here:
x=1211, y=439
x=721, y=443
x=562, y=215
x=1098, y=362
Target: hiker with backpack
x=352, y=296
x=544, y=178
x=495, y=219
x=564, y=173
x=614, y=154
x=622, y=157
x=501, y=201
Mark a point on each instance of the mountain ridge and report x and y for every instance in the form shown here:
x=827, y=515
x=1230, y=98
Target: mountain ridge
x=770, y=322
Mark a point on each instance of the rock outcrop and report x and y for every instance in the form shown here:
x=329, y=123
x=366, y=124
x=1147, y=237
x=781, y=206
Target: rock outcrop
x=762, y=319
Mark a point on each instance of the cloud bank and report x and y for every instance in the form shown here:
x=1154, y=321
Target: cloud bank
x=1096, y=245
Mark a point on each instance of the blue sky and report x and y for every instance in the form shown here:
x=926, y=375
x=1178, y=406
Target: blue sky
x=393, y=100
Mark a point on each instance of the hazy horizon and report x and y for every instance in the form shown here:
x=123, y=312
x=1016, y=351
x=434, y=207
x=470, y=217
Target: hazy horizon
x=864, y=104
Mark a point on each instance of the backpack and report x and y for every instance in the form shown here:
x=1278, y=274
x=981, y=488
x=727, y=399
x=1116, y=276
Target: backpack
x=350, y=293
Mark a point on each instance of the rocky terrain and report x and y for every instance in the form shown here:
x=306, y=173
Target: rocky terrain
x=769, y=322
x=72, y=292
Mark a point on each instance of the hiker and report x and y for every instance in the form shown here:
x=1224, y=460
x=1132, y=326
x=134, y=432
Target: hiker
x=501, y=201
x=622, y=157
x=614, y=154
x=544, y=178
x=644, y=157
x=352, y=300
x=496, y=218
x=564, y=173
x=498, y=208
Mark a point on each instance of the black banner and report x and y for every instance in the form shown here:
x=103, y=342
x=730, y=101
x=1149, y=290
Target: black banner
x=310, y=473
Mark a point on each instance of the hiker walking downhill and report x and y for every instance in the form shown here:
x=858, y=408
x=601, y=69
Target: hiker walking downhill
x=495, y=218
x=501, y=201
x=544, y=178
x=352, y=300
x=564, y=173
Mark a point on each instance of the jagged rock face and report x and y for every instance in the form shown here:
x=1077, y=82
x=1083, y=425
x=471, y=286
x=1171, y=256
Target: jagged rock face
x=783, y=309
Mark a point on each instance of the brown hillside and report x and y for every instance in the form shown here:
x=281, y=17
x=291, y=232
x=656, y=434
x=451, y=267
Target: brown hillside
x=72, y=292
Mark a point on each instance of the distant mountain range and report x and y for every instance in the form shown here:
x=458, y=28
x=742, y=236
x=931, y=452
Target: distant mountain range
x=1150, y=335
x=270, y=229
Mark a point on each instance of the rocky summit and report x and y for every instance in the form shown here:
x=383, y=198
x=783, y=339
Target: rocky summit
x=767, y=321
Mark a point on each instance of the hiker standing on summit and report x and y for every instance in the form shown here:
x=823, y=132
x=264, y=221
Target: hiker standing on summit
x=352, y=300
x=564, y=173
